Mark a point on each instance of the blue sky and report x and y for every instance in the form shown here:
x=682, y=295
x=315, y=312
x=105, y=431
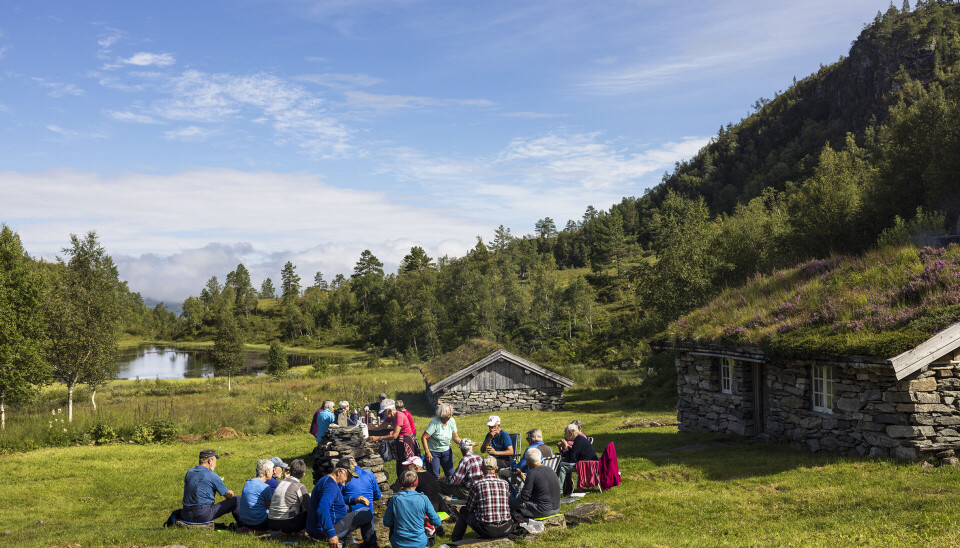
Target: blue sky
x=193, y=136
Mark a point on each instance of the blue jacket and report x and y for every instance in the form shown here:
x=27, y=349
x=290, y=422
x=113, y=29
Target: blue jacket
x=364, y=486
x=324, y=420
x=327, y=507
x=404, y=517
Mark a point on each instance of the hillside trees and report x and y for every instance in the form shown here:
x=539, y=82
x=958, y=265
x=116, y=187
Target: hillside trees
x=22, y=367
x=290, y=283
x=228, y=356
x=267, y=290
x=83, y=315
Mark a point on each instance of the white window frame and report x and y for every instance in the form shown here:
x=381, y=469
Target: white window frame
x=823, y=388
x=726, y=375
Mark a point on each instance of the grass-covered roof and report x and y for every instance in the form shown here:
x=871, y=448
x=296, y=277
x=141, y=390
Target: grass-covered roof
x=881, y=304
x=466, y=354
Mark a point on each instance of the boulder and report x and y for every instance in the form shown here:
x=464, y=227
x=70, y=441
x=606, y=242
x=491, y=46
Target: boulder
x=591, y=512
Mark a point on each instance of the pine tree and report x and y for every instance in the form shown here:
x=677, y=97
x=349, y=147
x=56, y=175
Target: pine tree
x=290, y=282
x=266, y=290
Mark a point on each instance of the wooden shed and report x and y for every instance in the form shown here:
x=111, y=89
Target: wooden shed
x=480, y=377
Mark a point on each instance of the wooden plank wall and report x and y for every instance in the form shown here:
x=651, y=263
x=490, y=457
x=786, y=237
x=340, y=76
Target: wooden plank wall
x=503, y=375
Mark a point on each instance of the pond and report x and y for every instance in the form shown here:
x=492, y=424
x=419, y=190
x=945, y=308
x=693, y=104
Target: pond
x=151, y=361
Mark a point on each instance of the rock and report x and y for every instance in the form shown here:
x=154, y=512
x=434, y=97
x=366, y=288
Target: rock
x=927, y=465
x=950, y=461
x=928, y=384
x=591, y=512
x=904, y=453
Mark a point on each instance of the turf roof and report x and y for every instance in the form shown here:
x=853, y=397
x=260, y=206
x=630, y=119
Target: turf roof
x=466, y=354
x=881, y=304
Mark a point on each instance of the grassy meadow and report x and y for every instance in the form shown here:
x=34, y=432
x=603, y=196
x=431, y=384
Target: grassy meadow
x=678, y=489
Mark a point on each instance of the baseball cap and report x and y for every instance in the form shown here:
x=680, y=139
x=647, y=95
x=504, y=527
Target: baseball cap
x=414, y=460
x=387, y=404
x=277, y=462
x=347, y=465
x=493, y=420
x=207, y=453
x=383, y=395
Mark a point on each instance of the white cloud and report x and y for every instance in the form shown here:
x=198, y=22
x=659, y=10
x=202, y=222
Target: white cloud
x=58, y=89
x=127, y=116
x=188, y=134
x=383, y=102
x=146, y=59
x=320, y=225
x=531, y=115
x=340, y=81
x=70, y=134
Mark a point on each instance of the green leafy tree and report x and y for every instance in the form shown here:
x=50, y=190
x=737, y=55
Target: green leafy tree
x=267, y=291
x=22, y=367
x=277, y=360
x=228, y=356
x=83, y=316
x=290, y=282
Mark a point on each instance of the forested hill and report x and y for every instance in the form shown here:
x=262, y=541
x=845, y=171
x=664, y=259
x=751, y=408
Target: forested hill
x=781, y=141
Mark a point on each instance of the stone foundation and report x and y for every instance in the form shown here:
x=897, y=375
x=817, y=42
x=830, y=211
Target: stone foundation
x=534, y=399
x=873, y=414
x=339, y=442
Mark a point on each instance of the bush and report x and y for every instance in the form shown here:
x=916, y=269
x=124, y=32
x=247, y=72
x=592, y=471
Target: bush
x=164, y=431
x=321, y=366
x=278, y=407
x=608, y=379
x=142, y=434
x=101, y=434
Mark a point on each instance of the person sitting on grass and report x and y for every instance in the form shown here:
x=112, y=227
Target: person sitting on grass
x=200, y=487
x=324, y=419
x=290, y=501
x=487, y=509
x=364, y=486
x=426, y=483
x=278, y=472
x=252, y=509
x=574, y=448
x=436, y=441
x=469, y=469
x=329, y=517
x=497, y=443
x=405, y=514
x=540, y=495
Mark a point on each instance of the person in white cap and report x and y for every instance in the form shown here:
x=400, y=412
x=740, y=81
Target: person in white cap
x=497, y=443
x=426, y=483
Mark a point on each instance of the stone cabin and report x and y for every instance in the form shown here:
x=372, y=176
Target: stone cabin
x=906, y=406
x=496, y=381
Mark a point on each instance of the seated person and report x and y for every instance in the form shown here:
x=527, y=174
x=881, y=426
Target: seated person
x=279, y=468
x=329, y=517
x=579, y=449
x=534, y=441
x=372, y=410
x=344, y=416
x=497, y=443
x=487, y=509
x=405, y=514
x=540, y=495
x=364, y=486
x=252, y=509
x=426, y=483
x=200, y=487
x=579, y=424
x=470, y=469
x=324, y=419
x=290, y=501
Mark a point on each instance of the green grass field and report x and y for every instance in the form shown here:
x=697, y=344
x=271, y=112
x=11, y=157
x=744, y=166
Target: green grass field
x=678, y=489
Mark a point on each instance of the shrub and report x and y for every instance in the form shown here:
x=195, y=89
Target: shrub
x=277, y=360
x=321, y=366
x=142, y=434
x=278, y=407
x=164, y=431
x=101, y=434
x=608, y=379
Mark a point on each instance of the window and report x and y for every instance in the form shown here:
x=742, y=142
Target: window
x=823, y=388
x=726, y=375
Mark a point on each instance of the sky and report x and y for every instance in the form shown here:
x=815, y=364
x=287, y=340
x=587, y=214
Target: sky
x=194, y=136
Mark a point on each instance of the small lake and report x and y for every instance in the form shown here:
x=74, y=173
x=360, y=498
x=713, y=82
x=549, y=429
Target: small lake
x=151, y=361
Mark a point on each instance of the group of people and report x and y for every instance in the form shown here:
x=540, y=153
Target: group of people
x=499, y=490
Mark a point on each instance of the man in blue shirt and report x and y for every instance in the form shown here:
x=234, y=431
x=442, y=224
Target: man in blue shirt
x=200, y=487
x=363, y=486
x=330, y=518
x=255, y=498
x=497, y=443
x=324, y=419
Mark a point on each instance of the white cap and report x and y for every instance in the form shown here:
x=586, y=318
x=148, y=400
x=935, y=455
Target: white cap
x=414, y=460
x=493, y=420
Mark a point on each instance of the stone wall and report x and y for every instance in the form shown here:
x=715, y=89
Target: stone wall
x=873, y=413
x=339, y=442
x=535, y=399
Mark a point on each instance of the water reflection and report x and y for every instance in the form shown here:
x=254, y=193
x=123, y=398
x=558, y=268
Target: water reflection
x=165, y=362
